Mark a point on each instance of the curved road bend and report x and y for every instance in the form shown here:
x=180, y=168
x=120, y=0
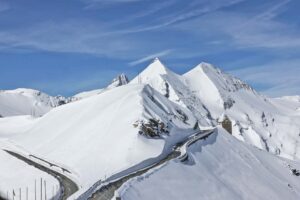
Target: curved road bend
x=106, y=192
x=68, y=187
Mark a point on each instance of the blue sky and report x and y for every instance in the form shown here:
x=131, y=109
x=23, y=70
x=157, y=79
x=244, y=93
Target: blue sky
x=67, y=46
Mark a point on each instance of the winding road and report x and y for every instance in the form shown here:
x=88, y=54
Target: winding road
x=106, y=191
x=103, y=190
x=68, y=187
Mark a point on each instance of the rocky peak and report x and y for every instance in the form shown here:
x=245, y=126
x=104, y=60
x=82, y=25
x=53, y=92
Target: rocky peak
x=119, y=81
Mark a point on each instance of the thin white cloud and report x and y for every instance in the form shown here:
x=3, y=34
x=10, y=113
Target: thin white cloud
x=272, y=12
x=68, y=36
x=187, y=15
x=152, y=9
x=241, y=30
x=150, y=57
x=278, y=77
x=262, y=31
x=91, y=37
x=94, y=4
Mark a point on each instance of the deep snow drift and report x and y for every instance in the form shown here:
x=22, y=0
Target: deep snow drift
x=96, y=137
x=220, y=167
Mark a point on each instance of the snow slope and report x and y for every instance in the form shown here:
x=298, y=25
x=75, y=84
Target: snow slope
x=289, y=103
x=95, y=138
x=171, y=85
x=269, y=124
x=10, y=126
x=220, y=167
x=27, y=102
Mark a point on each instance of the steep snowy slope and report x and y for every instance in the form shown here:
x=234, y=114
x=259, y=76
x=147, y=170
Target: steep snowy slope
x=257, y=120
x=116, y=82
x=99, y=136
x=220, y=167
x=172, y=86
x=27, y=102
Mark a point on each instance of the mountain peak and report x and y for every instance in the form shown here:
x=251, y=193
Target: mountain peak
x=220, y=79
x=156, y=59
x=158, y=66
x=206, y=67
x=154, y=69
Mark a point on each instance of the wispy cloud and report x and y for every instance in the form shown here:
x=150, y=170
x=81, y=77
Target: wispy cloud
x=184, y=16
x=94, y=4
x=280, y=81
x=272, y=11
x=245, y=30
x=261, y=30
x=150, y=57
x=97, y=38
x=67, y=37
x=152, y=9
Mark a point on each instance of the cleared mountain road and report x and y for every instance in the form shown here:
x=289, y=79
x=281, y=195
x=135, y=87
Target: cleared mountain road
x=106, y=190
x=67, y=186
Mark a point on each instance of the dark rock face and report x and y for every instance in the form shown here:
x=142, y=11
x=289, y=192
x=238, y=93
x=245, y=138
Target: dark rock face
x=153, y=128
x=296, y=172
x=119, y=81
x=228, y=103
x=227, y=124
x=167, y=90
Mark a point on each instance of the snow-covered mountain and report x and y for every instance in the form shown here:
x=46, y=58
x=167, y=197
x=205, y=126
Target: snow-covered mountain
x=121, y=121
x=27, y=102
x=24, y=101
x=210, y=94
x=123, y=128
x=269, y=124
x=172, y=86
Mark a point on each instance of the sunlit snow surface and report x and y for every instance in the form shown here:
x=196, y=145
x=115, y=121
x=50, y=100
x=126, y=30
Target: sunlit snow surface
x=220, y=167
x=94, y=136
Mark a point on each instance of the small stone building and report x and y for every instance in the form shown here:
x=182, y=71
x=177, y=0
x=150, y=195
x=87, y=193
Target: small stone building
x=227, y=124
